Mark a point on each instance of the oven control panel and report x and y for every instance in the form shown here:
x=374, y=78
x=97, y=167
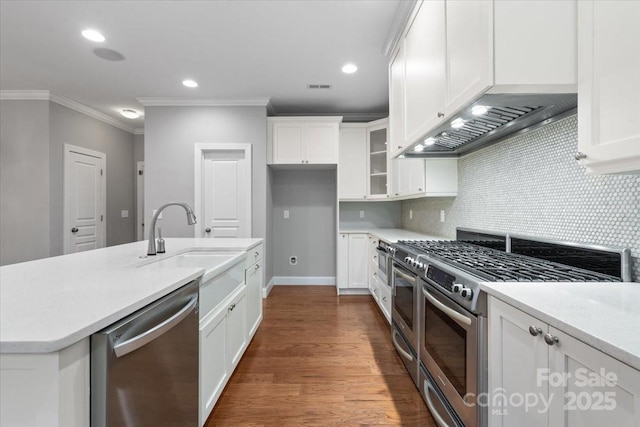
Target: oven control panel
x=449, y=282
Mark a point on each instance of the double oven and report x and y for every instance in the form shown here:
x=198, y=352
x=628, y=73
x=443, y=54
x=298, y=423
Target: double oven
x=439, y=342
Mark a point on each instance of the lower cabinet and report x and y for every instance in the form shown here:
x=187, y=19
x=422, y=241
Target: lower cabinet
x=352, y=261
x=254, y=279
x=541, y=376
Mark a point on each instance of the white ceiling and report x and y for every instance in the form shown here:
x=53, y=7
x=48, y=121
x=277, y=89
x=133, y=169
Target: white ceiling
x=233, y=49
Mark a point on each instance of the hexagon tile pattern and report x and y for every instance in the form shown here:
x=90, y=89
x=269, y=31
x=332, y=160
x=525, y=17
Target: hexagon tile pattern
x=530, y=184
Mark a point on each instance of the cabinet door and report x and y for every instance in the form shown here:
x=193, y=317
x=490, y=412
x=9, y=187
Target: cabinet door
x=515, y=359
x=253, y=278
x=609, y=85
x=342, y=281
x=469, y=38
x=396, y=103
x=352, y=167
x=425, y=79
x=288, y=140
x=441, y=177
x=358, y=260
x=214, y=367
x=236, y=328
x=415, y=178
x=385, y=301
x=597, y=390
x=374, y=286
x=321, y=143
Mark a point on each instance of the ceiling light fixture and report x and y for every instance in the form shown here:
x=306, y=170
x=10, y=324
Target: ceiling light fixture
x=457, y=123
x=478, y=110
x=93, y=35
x=349, y=69
x=130, y=114
x=190, y=83
x=429, y=141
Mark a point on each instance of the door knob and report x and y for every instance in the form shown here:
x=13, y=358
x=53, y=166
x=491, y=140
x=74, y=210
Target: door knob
x=207, y=230
x=74, y=230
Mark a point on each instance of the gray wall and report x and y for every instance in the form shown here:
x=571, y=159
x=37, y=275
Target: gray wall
x=71, y=127
x=170, y=135
x=138, y=149
x=376, y=214
x=531, y=185
x=32, y=160
x=24, y=181
x=310, y=231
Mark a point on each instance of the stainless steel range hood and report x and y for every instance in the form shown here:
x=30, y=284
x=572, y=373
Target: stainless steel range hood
x=505, y=115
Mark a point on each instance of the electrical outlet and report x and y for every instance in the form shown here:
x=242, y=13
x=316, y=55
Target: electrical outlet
x=361, y=214
x=410, y=213
x=124, y=214
x=293, y=260
x=442, y=215
x=286, y=214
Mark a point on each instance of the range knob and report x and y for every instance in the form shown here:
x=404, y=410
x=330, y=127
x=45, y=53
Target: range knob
x=407, y=259
x=466, y=293
x=456, y=288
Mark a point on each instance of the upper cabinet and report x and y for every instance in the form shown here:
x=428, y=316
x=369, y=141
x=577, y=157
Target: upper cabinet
x=304, y=140
x=432, y=177
x=453, y=51
x=609, y=86
x=378, y=163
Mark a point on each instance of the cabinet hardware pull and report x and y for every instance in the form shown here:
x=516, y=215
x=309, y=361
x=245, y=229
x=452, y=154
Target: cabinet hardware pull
x=257, y=266
x=580, y=156
x=550, y=339
x=440, y=114
x=232, y=307
x=207, y=230
x=256, y=254
x=534, y=330
x=74, y=230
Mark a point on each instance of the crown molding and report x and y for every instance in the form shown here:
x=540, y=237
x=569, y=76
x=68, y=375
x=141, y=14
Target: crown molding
x=45, y=95
x=139, y=131
x=400, y=20
x=204, y=102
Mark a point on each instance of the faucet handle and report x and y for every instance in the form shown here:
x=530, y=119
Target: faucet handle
x=161, y=249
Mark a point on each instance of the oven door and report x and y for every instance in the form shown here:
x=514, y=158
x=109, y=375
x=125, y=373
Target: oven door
x=449, y=349
x=383, y=266
x=404, y=303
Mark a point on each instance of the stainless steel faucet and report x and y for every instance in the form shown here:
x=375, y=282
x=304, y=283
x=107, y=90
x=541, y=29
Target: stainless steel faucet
x=191, y=219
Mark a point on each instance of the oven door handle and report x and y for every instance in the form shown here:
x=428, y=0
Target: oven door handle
x=402, y=351
x=406, y=276
x=436, y=416
x=461, y=319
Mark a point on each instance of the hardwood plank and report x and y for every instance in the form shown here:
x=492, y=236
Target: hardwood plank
x=320, y=360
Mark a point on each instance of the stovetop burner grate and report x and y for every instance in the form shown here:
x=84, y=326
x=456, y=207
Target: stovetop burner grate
x=494, y=265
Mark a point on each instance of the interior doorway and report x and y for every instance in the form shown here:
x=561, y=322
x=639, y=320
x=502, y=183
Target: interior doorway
x=223, y=190
x=85, y=199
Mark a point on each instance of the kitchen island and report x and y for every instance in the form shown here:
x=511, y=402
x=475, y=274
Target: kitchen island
x=49, y=308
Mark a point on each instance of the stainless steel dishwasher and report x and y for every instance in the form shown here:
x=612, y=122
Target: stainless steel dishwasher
x=144, y=368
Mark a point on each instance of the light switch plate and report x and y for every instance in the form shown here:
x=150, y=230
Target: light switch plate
x=410, y=213
x=124, y=214
x=286, y=214
x=442, y=215
x=361, y=214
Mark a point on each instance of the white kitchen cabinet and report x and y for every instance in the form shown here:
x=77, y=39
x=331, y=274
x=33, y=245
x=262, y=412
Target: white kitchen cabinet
x=385, y=300
x=352, y=166
x=453, y=51
x=304, y=140
x=253, y=277
x=431, y=177
x=378, y=162
x=352, y=261
x=214, y=366
x=580, y=385
x=609, y=86
x=373, y=268
x=237, y=337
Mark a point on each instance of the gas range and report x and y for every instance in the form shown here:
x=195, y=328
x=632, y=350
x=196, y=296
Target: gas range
x=458, y=266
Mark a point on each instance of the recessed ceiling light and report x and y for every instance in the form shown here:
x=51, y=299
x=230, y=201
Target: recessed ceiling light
x=418, y=148
x=457, y=123
x=93, y=35
x=190, y=83
x=130, y=114
x=429, y=141
x=478, y=110
x=349, y=69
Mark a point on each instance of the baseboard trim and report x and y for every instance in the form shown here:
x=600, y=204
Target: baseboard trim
x=267, y=289
x=304, y=280
x=354, y=291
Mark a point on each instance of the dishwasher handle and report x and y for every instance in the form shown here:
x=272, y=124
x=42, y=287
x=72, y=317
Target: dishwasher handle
x=132, y=344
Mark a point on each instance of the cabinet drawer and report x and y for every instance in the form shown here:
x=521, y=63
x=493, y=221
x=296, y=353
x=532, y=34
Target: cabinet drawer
x=254, y=255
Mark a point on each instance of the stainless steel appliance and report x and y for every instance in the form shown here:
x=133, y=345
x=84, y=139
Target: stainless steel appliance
x=404, y=316
x=384, y=261
x=452, y=310
x=144, y=368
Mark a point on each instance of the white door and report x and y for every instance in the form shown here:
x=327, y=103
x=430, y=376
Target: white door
x=84, y=200
x=140, y=201
x=226, y=192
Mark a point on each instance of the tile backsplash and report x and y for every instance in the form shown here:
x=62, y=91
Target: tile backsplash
x=530, y=184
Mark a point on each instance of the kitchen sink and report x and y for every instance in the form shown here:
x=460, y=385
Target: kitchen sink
x=213, y=262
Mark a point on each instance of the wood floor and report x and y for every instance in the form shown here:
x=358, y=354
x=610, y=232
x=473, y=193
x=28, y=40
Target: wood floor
x=320, y=360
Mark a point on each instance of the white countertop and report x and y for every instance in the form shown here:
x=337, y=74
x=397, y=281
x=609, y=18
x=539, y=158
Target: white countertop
x=49, y=304
x=390, y=235
x=604, y=315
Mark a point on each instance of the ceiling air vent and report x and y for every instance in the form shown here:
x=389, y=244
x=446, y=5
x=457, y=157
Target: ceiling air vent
x=318, y=86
